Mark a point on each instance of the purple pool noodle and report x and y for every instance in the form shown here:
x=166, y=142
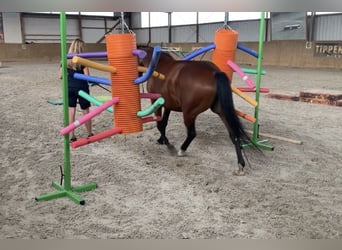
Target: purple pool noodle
x=140, y=53
x=89, y=55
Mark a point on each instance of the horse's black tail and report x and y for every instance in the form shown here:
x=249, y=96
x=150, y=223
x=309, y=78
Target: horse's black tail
x=225, y=99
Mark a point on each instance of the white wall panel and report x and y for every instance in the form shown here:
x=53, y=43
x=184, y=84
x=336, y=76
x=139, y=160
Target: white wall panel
x=12, y=27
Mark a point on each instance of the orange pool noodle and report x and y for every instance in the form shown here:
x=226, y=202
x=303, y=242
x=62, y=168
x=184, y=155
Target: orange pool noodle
x=245, y=116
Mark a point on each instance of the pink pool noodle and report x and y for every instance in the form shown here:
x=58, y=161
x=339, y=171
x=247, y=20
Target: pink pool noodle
x=88, y=116
x=244, y=77
x=151, y=119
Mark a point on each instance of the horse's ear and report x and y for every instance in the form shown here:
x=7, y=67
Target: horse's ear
x=143, y=45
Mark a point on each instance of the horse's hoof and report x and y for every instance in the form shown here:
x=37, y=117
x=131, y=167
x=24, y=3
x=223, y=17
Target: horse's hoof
x=163, y=141
x=181, y=153
x=172, y=149
x=239, y=172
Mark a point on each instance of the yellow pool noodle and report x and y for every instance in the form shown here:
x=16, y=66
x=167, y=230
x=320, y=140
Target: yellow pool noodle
x=94, y=65
x=244, y=96
x=155, y=73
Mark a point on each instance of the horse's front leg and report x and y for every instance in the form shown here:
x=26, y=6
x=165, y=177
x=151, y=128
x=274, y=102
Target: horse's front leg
x=161, y=125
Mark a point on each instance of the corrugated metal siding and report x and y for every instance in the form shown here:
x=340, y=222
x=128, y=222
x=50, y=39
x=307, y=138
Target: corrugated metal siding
x=45, y=30
x=328, y=28
x=248, y=30
x=93, y=23
x=141, y=36
x=92, y=35
x=183, y=34
x=93, y=30
x=207, y=32
x=159, y=35
x=41, y=29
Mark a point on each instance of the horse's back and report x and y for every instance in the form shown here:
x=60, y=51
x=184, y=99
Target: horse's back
x=191, y=85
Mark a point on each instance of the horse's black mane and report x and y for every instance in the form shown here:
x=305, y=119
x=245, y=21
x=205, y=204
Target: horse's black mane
x=147, y=47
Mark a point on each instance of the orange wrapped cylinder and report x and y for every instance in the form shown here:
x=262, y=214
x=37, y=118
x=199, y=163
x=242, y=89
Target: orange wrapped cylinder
x=119, y=54
x=225, y=47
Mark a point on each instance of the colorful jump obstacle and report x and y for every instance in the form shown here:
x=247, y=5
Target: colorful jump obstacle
x=125, y=103
x=128, y=116
x=224, y=48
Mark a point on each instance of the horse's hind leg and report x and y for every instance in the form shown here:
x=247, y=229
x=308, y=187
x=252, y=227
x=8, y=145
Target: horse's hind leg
x=236, y=142
x=191, y=134
x=161, y=125
x=241, y=161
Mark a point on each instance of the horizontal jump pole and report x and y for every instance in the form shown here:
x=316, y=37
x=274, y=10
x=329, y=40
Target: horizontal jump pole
x=154, y=73
x=199, y=51
x=262, y=90
x=101, y=54
x=213, y=46
x=93, y=100
x=94, y=79
x=100, y=136
x=88, y=116
x=151, y=119
x=105, y=81
x=151, y=96
x=252, y=71
x=248, y=99
x=247, y=50
x=245, y=116
x=94, y=65
x=278, y=138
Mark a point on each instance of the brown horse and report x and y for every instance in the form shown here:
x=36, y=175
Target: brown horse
x=192, y=87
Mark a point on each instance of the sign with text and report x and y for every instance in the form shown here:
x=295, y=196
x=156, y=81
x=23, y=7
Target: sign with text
x=328, y=49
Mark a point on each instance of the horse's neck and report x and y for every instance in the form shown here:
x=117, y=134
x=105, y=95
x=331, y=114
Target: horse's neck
x=165, y=61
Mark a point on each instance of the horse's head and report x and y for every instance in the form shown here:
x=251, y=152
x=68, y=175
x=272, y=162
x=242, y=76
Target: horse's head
x=163, y=59
x=147, y=59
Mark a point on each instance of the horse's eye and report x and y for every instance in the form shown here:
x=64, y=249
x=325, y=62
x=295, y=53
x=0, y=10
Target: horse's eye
x=140, y=61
